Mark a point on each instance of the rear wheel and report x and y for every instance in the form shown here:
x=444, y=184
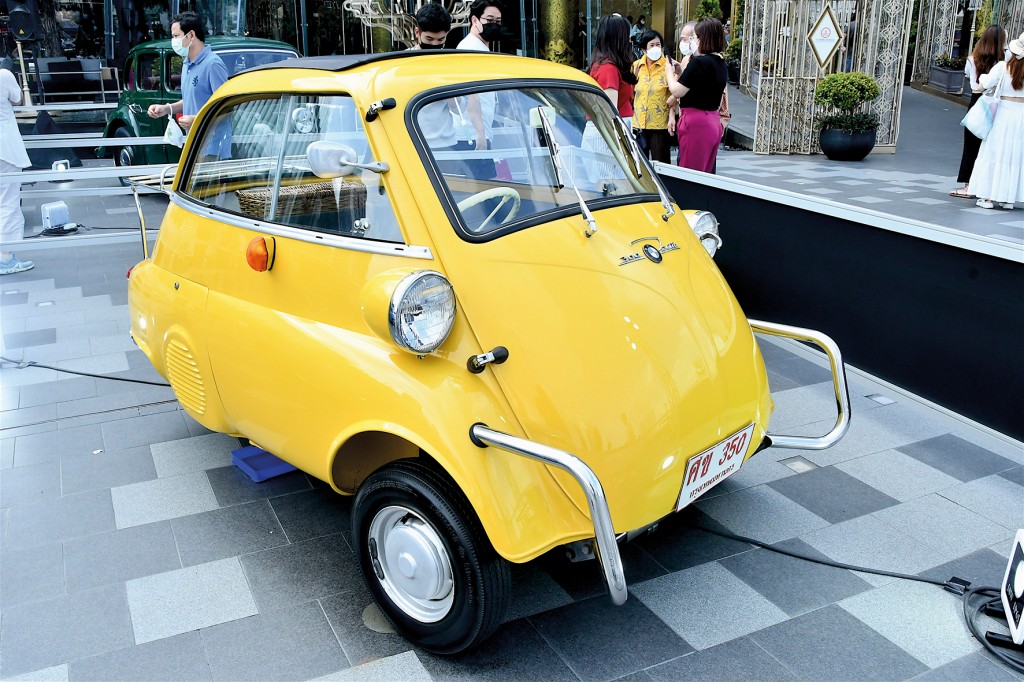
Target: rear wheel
x=124, y=155
x=427, y=560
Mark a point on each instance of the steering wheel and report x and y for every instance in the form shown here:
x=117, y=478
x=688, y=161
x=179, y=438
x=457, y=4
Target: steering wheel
x=506, y=193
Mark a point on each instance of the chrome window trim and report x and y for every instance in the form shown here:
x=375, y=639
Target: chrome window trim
x=302, y=235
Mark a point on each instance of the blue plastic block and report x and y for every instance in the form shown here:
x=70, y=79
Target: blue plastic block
x=258, y=464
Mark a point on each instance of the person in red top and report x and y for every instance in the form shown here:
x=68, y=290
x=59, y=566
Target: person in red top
x=610, y=64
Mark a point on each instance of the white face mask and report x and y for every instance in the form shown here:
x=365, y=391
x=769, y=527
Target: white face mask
x=179, y=49
x=685, y=48
x=654, y=54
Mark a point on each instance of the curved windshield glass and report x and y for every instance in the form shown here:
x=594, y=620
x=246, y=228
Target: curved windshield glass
x=507, y=156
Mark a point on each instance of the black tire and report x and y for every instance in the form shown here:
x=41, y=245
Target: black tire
x=414, y=509
x=124, y=155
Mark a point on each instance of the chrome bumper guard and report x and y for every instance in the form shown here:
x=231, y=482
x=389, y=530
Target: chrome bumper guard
x=842, y=392
x=604, y=532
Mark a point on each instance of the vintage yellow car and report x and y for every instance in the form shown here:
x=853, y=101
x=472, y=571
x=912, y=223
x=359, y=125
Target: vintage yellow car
x=448, y=283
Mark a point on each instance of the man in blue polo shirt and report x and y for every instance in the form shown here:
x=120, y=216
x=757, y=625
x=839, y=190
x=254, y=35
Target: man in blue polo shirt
x=202, y=70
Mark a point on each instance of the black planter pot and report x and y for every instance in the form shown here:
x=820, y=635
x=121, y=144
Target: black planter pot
x=734, y=73
x=840, y=145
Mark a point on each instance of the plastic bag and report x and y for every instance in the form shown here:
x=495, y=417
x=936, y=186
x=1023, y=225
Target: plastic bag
x=174, y=134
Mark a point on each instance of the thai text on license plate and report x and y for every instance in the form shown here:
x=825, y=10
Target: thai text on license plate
x=711, y=467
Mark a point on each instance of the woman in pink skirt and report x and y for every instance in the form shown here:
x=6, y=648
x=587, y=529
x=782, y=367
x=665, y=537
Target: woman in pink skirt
x=699, y=90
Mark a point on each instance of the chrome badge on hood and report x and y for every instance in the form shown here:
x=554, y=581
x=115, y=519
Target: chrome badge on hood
x=650, y=251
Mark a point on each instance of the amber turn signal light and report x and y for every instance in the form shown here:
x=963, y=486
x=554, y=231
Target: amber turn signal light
x=260, y=254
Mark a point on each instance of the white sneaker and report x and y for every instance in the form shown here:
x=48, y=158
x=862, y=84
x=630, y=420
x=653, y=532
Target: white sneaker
x=1008, y=206
x=984, y=203
x=14, y=265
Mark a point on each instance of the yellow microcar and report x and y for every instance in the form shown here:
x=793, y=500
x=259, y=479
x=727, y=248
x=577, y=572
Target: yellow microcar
x=449, y=284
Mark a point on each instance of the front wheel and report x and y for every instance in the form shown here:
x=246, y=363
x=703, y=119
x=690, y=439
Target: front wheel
x=427, y=560
x=124, y=156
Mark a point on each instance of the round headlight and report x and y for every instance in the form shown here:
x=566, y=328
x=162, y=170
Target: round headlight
x=422, y=311
x=706, y=227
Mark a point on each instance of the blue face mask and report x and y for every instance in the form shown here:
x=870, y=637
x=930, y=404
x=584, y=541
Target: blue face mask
x=179, y=49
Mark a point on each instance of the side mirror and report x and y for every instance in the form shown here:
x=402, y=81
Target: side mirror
x=334, y=160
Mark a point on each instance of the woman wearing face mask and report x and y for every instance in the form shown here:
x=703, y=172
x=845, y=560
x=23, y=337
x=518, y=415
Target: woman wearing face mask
x=700, y=89
x=610, y=64
x=652, y=115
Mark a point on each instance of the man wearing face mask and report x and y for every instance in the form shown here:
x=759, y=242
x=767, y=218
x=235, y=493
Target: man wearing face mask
x=484, y=29
x=202, y=71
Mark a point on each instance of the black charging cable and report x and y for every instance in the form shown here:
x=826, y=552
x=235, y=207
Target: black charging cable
x=22, y=364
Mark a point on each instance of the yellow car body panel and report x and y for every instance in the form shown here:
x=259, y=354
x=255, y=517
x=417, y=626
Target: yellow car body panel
x=632, y=367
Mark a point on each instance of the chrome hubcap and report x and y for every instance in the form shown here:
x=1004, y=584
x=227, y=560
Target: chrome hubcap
x=411, y=563
x=125, y=157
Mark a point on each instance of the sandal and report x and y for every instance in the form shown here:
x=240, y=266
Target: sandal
x=962, y=193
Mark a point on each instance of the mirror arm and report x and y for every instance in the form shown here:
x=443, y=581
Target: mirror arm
x=375, y=167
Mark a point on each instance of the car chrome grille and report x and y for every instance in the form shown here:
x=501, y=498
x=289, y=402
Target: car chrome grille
x=183, y=373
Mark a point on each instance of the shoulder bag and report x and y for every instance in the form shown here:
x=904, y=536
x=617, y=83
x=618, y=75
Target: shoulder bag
x=979, y=118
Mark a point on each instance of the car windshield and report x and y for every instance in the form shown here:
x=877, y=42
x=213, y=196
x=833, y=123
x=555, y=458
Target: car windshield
x=240, y=59
x=507, y=156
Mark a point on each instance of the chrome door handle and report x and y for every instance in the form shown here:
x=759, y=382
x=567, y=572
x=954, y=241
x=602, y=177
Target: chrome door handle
x=136, y=108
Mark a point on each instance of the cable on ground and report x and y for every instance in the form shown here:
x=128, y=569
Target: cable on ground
x=957, y=586
x=22, y=364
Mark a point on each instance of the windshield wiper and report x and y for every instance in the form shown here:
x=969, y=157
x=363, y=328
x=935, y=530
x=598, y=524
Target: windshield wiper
x=556, y=162
x=633, y=150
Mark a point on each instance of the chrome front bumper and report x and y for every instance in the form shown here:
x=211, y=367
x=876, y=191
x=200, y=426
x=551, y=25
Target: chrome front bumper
x=604, y=531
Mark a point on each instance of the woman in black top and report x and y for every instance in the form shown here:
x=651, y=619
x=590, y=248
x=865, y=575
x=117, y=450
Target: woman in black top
x=699, y=90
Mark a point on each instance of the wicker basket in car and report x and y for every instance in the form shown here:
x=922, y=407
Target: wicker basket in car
x=308, y=199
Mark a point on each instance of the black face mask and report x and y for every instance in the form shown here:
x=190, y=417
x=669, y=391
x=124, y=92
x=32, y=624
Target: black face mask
x=490, y=32
x=425, y=46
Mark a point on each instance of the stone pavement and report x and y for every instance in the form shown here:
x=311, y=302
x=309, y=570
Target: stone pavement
x=131, y=548
x=912, y=183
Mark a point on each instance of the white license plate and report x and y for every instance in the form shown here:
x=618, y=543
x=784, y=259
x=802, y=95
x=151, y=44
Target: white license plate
x=711, y=467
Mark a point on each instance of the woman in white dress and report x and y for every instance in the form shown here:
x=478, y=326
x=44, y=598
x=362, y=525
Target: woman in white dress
x=998, y=176
x=13, y=158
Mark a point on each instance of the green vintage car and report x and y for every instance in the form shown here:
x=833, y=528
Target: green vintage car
x=153, y=76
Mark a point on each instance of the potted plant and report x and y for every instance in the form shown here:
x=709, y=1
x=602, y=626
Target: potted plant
x=847, y=128
x=947, y=73
x=733, y=55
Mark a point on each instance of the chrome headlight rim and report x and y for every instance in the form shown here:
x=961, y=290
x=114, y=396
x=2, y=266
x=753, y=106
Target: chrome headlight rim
x=705, y=226
x=398, y=298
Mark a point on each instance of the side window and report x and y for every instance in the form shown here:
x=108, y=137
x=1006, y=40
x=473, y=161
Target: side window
x=147, y=74
x=280, y=159
x=129, y=79
x=172, y=67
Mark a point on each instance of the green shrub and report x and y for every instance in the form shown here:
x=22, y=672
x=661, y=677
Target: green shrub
x=952, y=63
x=734, y=51
x=708, y=8
x=841, y=94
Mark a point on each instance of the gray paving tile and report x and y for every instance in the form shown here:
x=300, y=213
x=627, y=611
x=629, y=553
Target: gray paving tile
x=804, y=404
x=405, y=667
x=30, y=484
x=155, y=428
x=764, y=467
x=867, y=541
x=285, y=644
x=707, y=605
x=794, y=585
x=14, y=298
x=43, y=634
x=956, y=457
x=53, y=445
x=982, y=567
x=29, y=339
x=171, y=603
x=832, y=644
x=34, y=574
x=677, y=543
x=196, y=453
x=1014, y=475
x=120, y=555
x=231, y=485
x=101, y=406
x=802, y=372
x=54, y=354
x=95, y=364
x=897, y=475
x=296, y=573
x=928, y=202
x=897, y=611
x=584, y=580
x=534, y=591
x=6, y=453
x=739, y=659
x=87, y=330
x=27, y=416
x=55, y=320
x=832, y=494
x=162, y=499
x=515, y=652
x=63, y=518
x=743, y=513
x=630, y=637
x=166, y=660
x=363, y=630
x=229, y=532
x=75, y=388
x=974, y=667
x=57, y=673
x=994, y=497
x=9, y=398
x=929, y=519
x=106, y=470
x=313, y=513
